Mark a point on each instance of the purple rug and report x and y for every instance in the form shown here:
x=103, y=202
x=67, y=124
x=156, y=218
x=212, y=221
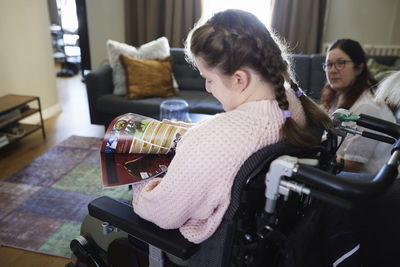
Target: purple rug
x=43, y=204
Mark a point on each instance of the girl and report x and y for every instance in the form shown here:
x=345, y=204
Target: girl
x=245, y=70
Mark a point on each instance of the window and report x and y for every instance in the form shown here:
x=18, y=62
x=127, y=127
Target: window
x=67, y=11
x=261, y=8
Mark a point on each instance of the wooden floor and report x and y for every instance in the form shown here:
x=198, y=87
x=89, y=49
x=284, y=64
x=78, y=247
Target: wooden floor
x=73, y=120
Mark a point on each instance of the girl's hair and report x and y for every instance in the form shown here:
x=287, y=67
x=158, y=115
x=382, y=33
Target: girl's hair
x=364, y=80
x=234, y=39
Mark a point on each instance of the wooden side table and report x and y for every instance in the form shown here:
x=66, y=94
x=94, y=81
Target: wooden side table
x=14, y=108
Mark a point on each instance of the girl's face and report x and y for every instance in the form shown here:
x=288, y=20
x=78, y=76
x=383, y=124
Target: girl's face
x=219, y=85
x=341, y=72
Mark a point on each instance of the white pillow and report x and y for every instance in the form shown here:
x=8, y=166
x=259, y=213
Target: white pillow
x=155, y=49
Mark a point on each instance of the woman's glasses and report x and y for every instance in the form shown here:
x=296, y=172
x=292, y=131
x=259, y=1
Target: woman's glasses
x=339, y=65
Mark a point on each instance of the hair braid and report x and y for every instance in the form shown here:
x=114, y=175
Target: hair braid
x=280, y=92
x=293, y=85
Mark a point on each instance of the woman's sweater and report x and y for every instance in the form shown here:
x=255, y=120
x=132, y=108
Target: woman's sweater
x=195, y=193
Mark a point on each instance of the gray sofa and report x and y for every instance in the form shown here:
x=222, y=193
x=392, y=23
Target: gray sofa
x=104, y=106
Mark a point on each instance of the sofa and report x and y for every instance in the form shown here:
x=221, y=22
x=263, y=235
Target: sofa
x=104, y=106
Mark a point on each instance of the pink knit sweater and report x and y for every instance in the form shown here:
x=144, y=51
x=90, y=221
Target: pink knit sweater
x=195, y=193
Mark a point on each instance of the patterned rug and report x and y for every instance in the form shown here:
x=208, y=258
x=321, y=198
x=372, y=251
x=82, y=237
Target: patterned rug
x=43, y=204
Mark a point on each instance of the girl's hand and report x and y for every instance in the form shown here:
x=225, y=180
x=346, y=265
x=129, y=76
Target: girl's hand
x=152, y=184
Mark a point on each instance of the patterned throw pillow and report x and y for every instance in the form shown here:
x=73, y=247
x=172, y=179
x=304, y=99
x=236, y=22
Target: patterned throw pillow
x=380, y=71
x=158, y=48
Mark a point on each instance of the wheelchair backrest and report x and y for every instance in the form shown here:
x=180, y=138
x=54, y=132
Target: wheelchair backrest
x=217, y=250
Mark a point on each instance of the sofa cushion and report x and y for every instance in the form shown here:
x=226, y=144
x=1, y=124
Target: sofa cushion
x=317, y=76
x=199, y=102
x=386, y=60
x=187, y=77
x=301, y=68
x=155, y=49
x=148, y=77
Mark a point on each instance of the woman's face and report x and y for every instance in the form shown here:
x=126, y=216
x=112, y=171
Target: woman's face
x=341, y=72
x=219, y=85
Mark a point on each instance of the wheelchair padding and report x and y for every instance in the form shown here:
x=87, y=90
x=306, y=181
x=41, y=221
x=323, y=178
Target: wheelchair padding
x=217, y=250
x=122, y=216
x=378, y=222
x=257, y=163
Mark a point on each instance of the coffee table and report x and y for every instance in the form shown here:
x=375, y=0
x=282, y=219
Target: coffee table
x=196, y=117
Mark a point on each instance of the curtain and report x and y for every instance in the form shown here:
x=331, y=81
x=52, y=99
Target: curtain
x=147, y=20
x=300, y=23
x=53, y=12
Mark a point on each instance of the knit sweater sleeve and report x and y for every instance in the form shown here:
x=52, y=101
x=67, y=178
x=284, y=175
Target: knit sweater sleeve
x=207, y=156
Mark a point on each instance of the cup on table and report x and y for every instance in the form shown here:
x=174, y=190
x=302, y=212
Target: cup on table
x=174, y=110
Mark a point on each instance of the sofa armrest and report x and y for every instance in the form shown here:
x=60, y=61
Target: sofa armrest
x=98, y=82
x=122, y=216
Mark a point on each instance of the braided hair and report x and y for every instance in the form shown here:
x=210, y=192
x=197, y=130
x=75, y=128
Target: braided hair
x=234, y=39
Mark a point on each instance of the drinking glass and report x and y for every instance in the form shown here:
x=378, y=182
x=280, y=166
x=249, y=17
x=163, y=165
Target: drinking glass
x=174, y=110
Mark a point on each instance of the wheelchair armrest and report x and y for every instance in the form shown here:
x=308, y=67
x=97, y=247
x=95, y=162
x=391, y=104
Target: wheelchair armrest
x=122, y=216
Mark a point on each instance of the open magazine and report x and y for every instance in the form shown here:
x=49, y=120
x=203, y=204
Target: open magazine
x=136, y=148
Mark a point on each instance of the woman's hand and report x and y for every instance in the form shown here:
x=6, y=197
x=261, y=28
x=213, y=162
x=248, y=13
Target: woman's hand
x=351, y=166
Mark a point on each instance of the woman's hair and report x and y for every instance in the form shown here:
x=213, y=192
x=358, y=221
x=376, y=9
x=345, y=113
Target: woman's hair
x=364, y=80
x=234, y=39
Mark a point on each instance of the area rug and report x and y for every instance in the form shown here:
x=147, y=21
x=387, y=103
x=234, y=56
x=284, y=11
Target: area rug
x=43, y=204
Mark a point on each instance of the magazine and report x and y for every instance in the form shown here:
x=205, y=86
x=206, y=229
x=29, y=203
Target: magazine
x=137, y=148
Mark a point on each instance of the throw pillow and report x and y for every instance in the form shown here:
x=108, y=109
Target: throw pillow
x=148, y=77
x=158, y=48
x=380, y=71
x=397, y=63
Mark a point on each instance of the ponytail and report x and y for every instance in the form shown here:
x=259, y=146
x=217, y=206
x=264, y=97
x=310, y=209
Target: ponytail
x=317, y=121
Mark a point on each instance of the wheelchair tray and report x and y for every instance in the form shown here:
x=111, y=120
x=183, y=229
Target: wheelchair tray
x=122, y=216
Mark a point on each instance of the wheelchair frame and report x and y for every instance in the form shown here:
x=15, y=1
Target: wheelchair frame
x=286, y=174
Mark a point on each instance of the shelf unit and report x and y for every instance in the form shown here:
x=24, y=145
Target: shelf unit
x=10, y=104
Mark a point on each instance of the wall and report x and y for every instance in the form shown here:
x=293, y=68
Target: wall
x=27, y=65
x=367, y=21
x=106, y=20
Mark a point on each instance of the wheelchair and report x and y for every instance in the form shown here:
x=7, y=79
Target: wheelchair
x=282, y=200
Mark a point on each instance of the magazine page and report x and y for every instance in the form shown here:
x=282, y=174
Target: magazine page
x=136, y=148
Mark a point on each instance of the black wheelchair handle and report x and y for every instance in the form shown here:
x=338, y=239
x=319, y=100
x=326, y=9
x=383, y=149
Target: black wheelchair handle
x=378, y=137
x=379, y=125
x=337, y=201
x=346, y=186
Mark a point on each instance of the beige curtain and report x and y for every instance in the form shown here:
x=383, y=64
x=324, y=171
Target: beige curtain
x=300, y=23
x=147, y=20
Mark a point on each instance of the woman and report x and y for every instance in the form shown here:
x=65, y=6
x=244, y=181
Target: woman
x=245, y=70
x=351, y=86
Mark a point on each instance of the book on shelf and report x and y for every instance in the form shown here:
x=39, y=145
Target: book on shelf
x=137, y=148
x=9, y=116
x=3, y=140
